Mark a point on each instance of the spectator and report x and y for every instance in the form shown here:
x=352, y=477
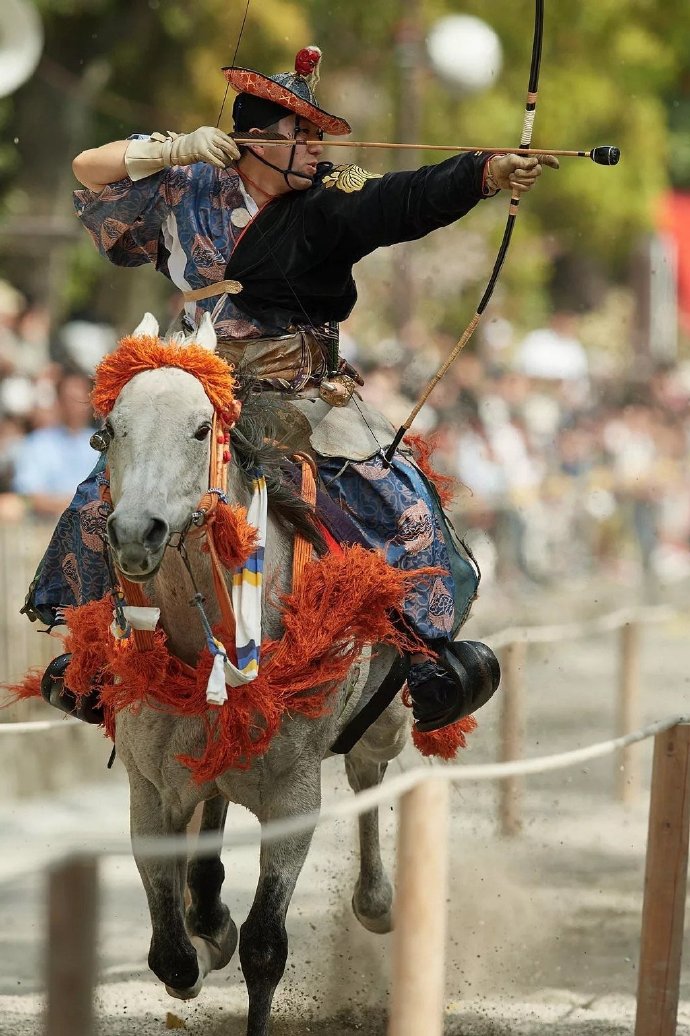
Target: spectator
x=11, y=306
x=52, y=460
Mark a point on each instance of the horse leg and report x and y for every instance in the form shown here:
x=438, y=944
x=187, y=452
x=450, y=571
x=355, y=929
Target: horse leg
x=208, y=921
x=263, y=939
x=366, y=765
x=172, y=957
x=373, y=896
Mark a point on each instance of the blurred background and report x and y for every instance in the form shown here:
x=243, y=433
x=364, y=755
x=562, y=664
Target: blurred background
x=565, y=421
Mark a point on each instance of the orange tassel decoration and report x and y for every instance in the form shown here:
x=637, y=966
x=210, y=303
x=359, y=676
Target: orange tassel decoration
x=340, y=604
x=143, y=353
x=444, y=743
x=446, y=486
x=234, y=537
x=29, y=687
x=344, y=602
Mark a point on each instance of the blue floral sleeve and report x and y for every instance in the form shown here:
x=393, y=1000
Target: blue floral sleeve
x=125, y=219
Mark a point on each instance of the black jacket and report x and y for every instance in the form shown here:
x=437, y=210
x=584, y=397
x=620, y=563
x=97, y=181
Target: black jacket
x=298, y=252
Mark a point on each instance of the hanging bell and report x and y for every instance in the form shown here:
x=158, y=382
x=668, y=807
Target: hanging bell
x=337, y=389
x=100, y=440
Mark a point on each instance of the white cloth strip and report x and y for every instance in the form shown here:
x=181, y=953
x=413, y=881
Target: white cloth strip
x=142, y=617
x=247, y=593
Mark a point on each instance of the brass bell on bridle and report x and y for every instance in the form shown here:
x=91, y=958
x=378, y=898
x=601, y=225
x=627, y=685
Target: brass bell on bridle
x=337, y=389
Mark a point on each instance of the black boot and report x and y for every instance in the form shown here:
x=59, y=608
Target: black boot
x=56, y=693
x=459, y=681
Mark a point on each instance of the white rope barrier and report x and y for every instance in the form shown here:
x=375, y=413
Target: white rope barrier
x=35, y=726
x=496, y=641
x=576, y=630
x=367, y=800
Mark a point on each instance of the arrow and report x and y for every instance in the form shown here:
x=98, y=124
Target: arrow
x=605, y=154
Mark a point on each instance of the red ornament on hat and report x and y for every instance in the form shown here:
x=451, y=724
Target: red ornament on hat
x=306, y=60
x=307, y=63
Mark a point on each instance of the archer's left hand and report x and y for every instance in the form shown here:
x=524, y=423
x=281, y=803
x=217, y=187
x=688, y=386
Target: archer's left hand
x=518, y=172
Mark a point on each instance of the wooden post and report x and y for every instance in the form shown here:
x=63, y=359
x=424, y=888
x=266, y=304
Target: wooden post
x=663, y=911
x=419, y=937
x=511, y=735
x=71, y=957
x=628, y=713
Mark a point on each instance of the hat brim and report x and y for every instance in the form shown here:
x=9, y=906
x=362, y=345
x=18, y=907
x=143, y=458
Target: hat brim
x=247, y=80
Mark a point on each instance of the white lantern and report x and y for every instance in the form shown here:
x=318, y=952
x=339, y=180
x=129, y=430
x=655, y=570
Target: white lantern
x=465, y=52
x=21, y=43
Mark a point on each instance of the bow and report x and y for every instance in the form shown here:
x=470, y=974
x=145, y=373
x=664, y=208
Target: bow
x=526, y=140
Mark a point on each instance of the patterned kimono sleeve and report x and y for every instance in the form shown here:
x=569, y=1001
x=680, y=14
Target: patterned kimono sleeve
x=125, y=218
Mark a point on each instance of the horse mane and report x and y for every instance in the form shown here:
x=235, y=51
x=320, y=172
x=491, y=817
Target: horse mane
x=261, y=440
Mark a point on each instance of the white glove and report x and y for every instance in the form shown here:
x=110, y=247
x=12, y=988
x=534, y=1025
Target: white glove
x=207, y=144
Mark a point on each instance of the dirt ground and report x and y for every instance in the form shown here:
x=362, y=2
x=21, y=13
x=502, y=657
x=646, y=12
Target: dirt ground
x=543, y=928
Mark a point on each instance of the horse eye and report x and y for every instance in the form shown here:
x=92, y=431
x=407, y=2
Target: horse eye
x=202, y=432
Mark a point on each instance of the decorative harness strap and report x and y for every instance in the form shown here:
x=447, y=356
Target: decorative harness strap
x=302, y=548
x=217, y=491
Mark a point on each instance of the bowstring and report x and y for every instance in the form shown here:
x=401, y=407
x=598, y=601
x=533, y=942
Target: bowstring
x=234, y=59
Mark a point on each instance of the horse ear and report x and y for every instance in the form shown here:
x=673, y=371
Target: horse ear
x=206, y=334
x=148, y=328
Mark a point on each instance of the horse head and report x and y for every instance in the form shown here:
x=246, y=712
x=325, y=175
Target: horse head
x=159, y=400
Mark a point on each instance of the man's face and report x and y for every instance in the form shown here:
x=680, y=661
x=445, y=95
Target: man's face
x=306, y=154
x=73, y=398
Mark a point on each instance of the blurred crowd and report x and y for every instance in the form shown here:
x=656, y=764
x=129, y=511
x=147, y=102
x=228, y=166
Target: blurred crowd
x=45, y=414
x=561, y=472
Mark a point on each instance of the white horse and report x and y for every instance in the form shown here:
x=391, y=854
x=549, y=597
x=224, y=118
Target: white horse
x=158, y=459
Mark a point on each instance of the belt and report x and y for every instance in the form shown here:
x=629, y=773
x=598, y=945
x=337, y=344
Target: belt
x=219, y=288
x=286, y=361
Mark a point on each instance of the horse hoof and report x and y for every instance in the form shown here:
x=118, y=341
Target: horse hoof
x=212, y=955
x=228, y=944
x=382, y=924
x=186, y=994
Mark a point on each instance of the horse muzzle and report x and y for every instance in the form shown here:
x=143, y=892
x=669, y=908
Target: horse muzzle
x=138, y=547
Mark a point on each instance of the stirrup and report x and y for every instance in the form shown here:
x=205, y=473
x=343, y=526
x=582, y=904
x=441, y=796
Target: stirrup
x=472, y=675
x=54, y=690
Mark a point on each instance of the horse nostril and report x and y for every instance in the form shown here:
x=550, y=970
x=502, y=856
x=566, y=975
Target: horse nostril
x=156, y=534
x=112, y=531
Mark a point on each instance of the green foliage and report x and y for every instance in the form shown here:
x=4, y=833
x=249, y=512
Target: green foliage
x=613, y=71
